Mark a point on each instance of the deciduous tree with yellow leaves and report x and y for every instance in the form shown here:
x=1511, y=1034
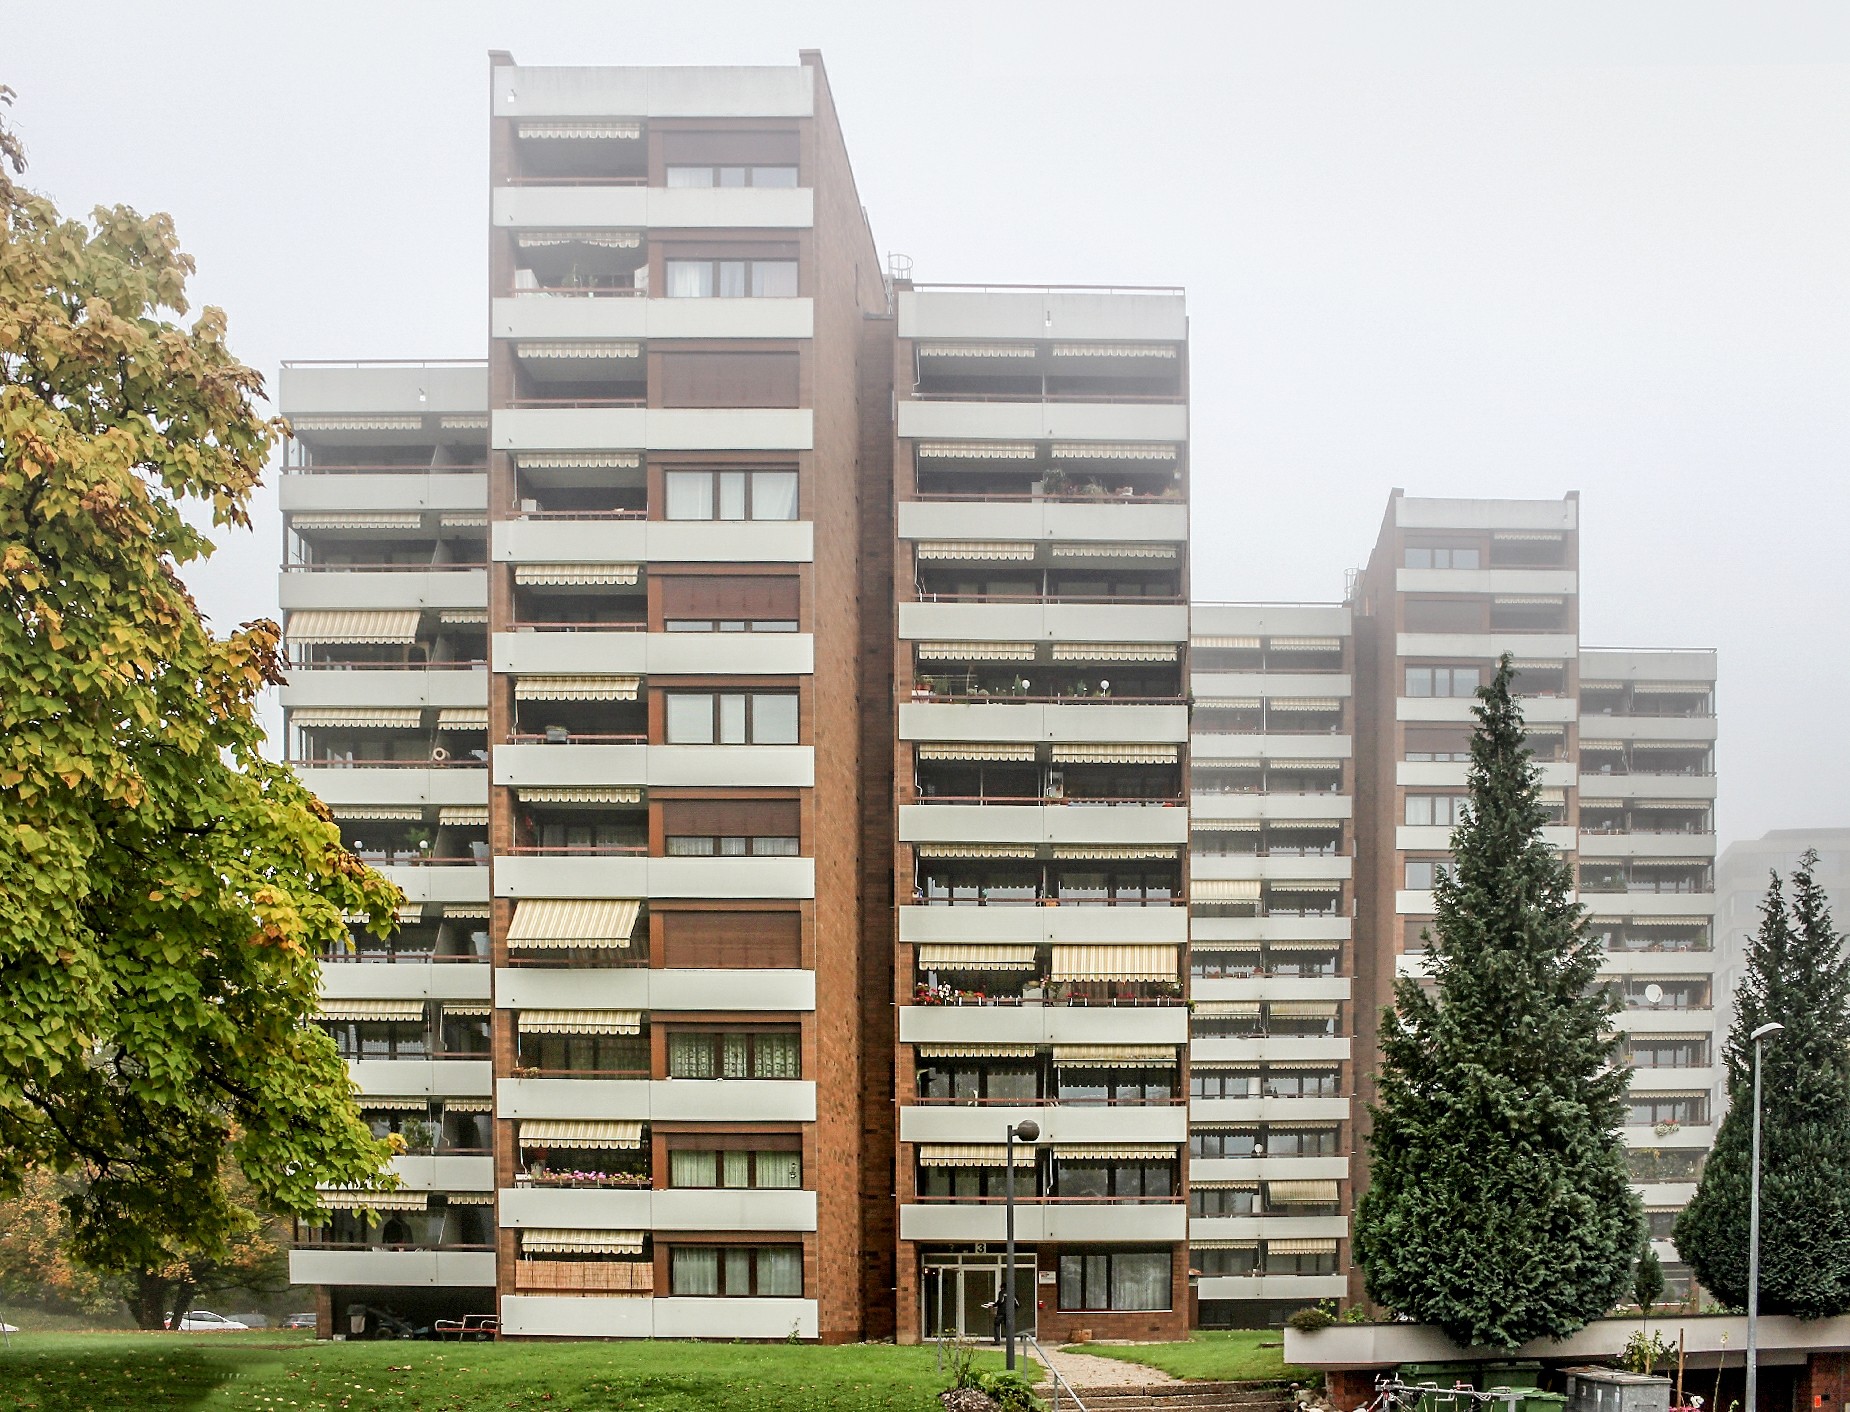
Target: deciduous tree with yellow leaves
x=164, y=889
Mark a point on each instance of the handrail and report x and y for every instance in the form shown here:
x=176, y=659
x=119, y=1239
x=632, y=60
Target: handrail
x=385, y=363
x=1064, y=288
x=1167, y=399
x=1059, y=1380
x=1108, y=498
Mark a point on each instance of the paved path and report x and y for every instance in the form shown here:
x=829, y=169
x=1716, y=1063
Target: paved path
x=1084, y=1370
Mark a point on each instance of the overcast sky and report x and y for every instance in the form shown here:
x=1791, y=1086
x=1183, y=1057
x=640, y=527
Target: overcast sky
x=1467, y=249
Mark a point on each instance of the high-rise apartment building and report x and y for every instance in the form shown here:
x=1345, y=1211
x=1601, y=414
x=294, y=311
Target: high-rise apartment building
x=770, y=682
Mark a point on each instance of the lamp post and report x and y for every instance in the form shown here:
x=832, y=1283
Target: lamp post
x=1766, y=1031
x=1028, y=1131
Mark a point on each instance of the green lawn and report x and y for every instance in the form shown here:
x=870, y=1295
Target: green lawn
x=1232, y=1354
x=276, y=1371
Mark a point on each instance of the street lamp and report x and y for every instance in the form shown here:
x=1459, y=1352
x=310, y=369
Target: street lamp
x=1028, y=1131
x=1766, y=1031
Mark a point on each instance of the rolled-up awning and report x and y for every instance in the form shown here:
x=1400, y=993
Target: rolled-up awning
x=579, y=130
x=562, y=575
x=975, y=350
x=603, y=239
x=1114, y=652
x=579, y=460
x=995, y=754
x=1302, y=1009
x=976, y=850
x=1225, y=1009
x=1113, y=451
x=1301, y=944
x=346, y=1198
x=410, y=912
x=463, y=816
x=1114, y=350
x=553, y=688
x=1227, y=703
x=581, y=1022
x=467, y=1009
x=302, y=421
x=973, y=549
x=382, y=813
x=1107, y=852
x=1114, y=1152
x=468, y=1105
x=1306, y=703
x=974, y=1051
x=992, y=957
x=372, y=1009
x=975, y=1154
x=1304, y=884
x=1138, y=961
x=976, y=651
x=542, y=1132
x=352, y=627
x=463, y=718
x=580, y=794
x=1125, y=754
x=1115, y=1056
x=1304, y=644
x=1112, y=549
x=554, y=923
x=548, y=1240
x=1224, y=643
x=464, y=519
x=1325, y=1246
x=392, y=1105
x=1302, y=1193
x=1223, y=825
x=977, y=450
x=464, y=911
x=354, y=520
x=1224, y=890
x=577, y=348
x=1528, y=536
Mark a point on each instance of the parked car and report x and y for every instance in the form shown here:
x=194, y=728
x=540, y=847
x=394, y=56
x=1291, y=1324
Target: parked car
x=204, y=1321
x=298, y=1321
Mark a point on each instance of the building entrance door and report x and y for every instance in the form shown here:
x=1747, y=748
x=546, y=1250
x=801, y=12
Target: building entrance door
x=958, y=1293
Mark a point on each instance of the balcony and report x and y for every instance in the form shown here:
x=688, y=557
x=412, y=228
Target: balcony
x=1037, y=926
x=659, y=1210
x=652, y=766
x=1037, y=621
x=1159, y=1124
x=1618, y=784
x=1267, y=1169
x=541, y=987
x=1270, y=1109
x=439, y=687
x=393, y=1268
x=1536, y=710
x=1043, y=1024
x=1045, y=1220
x=585, y=1276
x=397, y=783
x=661, y=1100
x=1271, y=868
x=1253, y=1048
x=570, y=540
x=1045, y=824
x=1272, y=988
x=405, y=981
x=347, y=489
x=1283, y=928
x=423, y=1078
x=445, y=1172
x=654, y=877
x=1599, y=843
x=1030, y=312
x=382, y=587
x=1486, y=644
x=590, y=648
x=535, y=315
x=1305, y=1289
x=1276, y=1224
x=1044, y=520
x=1095, y=721
x=574, y=207
x=568, y=1316
x=652, y=428
x=1556, y=582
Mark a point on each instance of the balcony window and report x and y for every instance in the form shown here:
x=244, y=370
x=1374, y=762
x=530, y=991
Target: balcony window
x=1121, y=1280
x=602, y=1054
x=1300, y=1257
x=1662, y=1222
x=1225, y=1142
x=730, y=625
x=731, y=718
x=1080, y=1086
x=1223, y=1083
x=736, y=1272
x=1239, y=1259
x=1673, y=1052
x=689, y=174
x=590, y=838
x=465, y=1033
x=1114, y=1181
x=1422, y=873
x=730, y=846
x=732, y=279
x=1651, y=1109
x=1301, y=1142
x=1441, y=556
x=731, y=495
x=1443, y=681
x=759, y=1169
x=967, y=1081
x=1302, y=1083
x=750, y=1054
x=1442, y=615
x=975, y=1183
x=1444, y=744
x=381, y=1039
x=1223, y=1200
x=1661, y=1164
x=1436, y=810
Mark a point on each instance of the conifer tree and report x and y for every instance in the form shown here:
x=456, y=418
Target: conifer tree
x=1797, y=974
x=1499, y=1205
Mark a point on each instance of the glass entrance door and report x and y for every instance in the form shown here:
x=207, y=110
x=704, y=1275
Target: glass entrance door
x=958, y=1293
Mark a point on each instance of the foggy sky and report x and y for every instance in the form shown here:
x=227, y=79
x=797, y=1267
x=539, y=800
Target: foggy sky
x=1463, y=249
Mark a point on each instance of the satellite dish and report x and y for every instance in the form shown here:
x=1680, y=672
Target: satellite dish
x=1654, y=994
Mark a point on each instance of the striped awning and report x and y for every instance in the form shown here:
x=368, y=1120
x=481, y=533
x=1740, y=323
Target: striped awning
x=372, y=1009
x=1137, y=961
x=462, y=616
x=554, y=688
x=579, y=130
x=1114, y=652
x=465, y=911
x=1000, y=754
x=1225, y=1009
x=1224, y=890
x=976, y=651
x=974, y=1051
x=467, y=1009
x=1115, y=1056
x=586, y=348
x=580, y=794
x=1301, y=944
x=1224, y=825
x=581, y=1022
x=975, y=350
x=554, y=923
x=412, y=912
x=347, y=1198
x=550, y=1240
x=472, y=1198
x=974, y=549
x=1114, y=350
x=1112, y=549
x=1670, y=688
x=1225, y=643
x=1326, y=1246
x=1304, y=884
x=1528, y=536
x=1227, y=703
x=1306, y=703
x=353, y=626
x=1113, y=1152
x=1304, y=644
x=977, y=450
x=1106, y=852
x=574, y=574
x=1527, y=600
x=368, y=1101
x=1302, y=1009
x=975, y=1154
x=302, y=422
x=579, y=460
x=354, y=520
x=1113, y=451
x=1126, y=754
x=578, y=1132
x=356, y=717
x=396, y=813
x=603, y=239
x=468, y=1105
x=992, y=957
x=1324, y=764
x=463, y=718
x=976, y=850
x=464, y=519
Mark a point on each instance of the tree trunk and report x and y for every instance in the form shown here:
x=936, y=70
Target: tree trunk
x=183, y=1291
x=150, y=1304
